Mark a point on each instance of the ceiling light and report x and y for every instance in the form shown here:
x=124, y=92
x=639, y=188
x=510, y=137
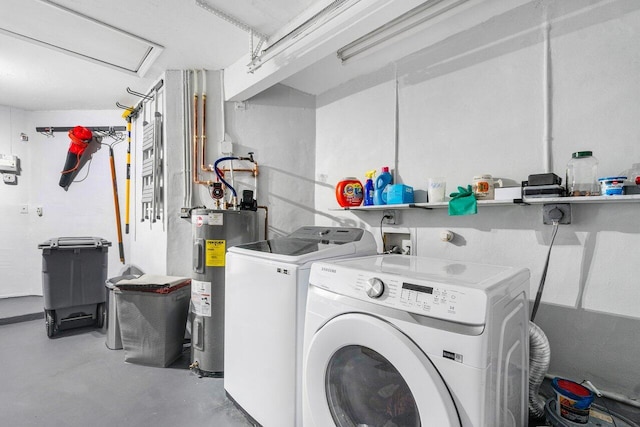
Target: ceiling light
x=57, y=27
x=402, y=27
x=307, y=28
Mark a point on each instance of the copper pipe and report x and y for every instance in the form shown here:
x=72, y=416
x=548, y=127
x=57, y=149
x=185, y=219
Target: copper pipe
x=203, y=136
x=195, y=138
x=196, y=179
x=253, y=170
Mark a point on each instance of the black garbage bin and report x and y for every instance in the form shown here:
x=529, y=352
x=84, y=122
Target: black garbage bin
x=74, y=270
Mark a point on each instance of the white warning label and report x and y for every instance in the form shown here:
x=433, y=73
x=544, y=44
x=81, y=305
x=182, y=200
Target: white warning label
x=201, y=297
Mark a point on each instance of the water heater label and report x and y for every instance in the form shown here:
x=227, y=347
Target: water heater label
x=215, y=252
x=201, y=297
x=216, y=219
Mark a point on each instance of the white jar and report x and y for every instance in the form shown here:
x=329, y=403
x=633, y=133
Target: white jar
x=484, y=186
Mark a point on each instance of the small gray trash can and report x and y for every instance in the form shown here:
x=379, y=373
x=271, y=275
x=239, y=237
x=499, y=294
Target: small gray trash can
x=74, y=270
x=153, y=320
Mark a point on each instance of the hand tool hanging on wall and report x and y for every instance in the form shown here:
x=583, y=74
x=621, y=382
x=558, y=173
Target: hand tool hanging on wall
x=116, y=203
x=127, y=115
x=81, y=148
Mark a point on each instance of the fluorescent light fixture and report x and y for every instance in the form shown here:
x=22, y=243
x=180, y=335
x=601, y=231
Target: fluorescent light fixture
x=399, y=28
x=54, y=26
x=302, y=31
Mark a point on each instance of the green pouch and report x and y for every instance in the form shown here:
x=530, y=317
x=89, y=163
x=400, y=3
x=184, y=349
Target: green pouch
x=463, y=202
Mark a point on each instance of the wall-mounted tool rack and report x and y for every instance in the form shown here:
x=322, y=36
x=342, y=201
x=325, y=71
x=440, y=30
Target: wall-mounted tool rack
x=50, y=130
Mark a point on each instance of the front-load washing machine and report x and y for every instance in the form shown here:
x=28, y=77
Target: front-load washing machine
x=396, y=340
x=266, y=291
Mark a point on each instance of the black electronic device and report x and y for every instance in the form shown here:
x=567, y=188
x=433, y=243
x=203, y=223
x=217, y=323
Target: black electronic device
x=544, y=179
x=248, y=203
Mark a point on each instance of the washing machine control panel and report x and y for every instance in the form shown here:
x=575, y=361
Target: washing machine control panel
x=438, y=300
x=445, y=301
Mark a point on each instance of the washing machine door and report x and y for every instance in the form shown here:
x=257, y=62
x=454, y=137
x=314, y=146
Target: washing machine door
x=361, y=371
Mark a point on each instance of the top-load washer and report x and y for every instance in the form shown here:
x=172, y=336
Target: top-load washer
x=266, y=291
x=396, y=340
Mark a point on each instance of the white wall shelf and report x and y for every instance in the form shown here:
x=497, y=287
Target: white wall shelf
x=631, y=198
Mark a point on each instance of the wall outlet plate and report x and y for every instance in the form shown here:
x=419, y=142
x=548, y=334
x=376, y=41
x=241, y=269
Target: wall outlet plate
x=389, y=217
x=551, y=211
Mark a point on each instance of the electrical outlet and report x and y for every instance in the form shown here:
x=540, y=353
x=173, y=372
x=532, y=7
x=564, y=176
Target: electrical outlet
x=560, y=212
x=406, y=247
x=388, y=217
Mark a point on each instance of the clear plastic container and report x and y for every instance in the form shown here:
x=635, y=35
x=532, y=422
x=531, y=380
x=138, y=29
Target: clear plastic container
x=633, y=174
x=582, y=175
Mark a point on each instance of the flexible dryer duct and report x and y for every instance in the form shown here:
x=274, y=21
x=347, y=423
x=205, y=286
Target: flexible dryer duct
x=539, y=358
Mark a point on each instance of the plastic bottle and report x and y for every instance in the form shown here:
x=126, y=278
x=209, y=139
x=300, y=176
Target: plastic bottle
x=382, y=181
x=368, y=188
x=349, y=192
x=582, y=175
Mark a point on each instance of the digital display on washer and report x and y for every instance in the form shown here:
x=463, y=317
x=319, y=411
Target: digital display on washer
x=417, y=288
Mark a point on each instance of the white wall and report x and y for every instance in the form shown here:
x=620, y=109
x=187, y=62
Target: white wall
x=477, y=103
x=86, y=209
x=278, y=126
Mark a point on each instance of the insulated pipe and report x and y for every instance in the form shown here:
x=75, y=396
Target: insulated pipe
x=254, y=172
x=539, y=359
x=221, y=178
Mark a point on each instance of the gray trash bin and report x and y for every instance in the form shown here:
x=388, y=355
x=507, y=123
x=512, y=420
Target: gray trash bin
x=114, y=341
x=74, y=270
x=153, y=320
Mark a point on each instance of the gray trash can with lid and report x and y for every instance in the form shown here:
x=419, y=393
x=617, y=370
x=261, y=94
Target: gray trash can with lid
x=74, y=270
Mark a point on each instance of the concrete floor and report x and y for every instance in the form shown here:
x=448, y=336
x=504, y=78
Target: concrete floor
x=75, y=380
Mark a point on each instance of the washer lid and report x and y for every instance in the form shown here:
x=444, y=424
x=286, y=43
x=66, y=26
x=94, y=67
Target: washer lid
x=323, y=241
x=375, y=376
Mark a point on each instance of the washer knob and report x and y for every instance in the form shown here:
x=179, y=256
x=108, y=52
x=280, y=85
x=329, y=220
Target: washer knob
x=375, y=288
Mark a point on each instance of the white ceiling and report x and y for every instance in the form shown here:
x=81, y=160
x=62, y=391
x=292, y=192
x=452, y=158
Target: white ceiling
x=33, y=77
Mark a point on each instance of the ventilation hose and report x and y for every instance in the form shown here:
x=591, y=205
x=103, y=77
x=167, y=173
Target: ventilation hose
x=539, y=358
x=215, y=168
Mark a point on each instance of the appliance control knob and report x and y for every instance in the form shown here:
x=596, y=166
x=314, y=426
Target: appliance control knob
x=375, y=287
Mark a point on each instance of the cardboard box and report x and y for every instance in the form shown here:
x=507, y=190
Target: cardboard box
x=399, y=194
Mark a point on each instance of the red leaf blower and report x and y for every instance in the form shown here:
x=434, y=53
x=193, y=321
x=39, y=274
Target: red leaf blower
x=80, y=138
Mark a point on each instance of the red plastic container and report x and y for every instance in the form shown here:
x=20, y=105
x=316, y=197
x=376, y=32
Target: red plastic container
x=349, y=192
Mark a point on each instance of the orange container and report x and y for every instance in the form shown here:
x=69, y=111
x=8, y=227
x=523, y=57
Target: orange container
x=349, y=192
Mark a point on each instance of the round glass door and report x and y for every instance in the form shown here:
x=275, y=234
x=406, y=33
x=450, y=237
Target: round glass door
x=361, y=371
x=364, y=389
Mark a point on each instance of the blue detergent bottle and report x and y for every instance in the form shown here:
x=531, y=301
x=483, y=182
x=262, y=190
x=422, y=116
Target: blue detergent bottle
x=382, y=181
x=368, y=188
